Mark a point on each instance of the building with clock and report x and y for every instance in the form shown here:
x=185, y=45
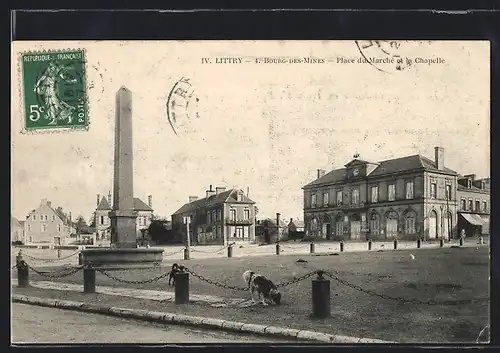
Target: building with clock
x=407, y=198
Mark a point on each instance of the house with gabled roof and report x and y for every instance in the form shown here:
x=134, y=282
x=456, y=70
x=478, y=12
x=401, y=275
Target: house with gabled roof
x=473, y=196
x=221, y=217
x=46, y=224
x=103, y=222
x=407, y=197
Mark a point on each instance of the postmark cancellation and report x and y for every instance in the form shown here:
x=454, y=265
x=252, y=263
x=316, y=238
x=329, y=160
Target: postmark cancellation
x=54, y=94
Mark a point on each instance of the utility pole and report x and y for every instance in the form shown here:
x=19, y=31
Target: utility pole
x=187, y=220
x=448, y=218
x=278, y=227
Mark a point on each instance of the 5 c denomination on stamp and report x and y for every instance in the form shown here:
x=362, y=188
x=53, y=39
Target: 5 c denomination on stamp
x=54, y=90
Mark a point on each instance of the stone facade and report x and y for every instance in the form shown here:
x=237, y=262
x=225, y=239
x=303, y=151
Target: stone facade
x=17, y=230
x=399, y=198
x=48, y=225
x=218, y=218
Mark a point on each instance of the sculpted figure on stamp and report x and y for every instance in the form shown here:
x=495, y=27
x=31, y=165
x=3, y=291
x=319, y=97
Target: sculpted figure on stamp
x=54, y=90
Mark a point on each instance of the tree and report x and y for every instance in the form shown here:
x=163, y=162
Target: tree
x=92, y=221
x=160, y=232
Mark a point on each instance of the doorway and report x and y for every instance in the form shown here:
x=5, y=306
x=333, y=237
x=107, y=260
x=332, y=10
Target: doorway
x=433, y=233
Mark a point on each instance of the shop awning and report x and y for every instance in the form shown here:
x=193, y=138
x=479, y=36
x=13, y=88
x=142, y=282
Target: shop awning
x=472, y=219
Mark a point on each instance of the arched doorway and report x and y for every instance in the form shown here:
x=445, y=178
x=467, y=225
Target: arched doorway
x=355, y=226
x=391, y=224
x=339, y=225
x=374, y=224
x=410, y=226
x=446, y=226
x=433, y=233
x=314, y=227
x=326, y=231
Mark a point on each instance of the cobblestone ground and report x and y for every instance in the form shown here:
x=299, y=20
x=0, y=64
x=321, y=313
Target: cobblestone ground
x=34, y=324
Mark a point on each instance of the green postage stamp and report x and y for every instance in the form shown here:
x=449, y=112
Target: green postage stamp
x=54, y=90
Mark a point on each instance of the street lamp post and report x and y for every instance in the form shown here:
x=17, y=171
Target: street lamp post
x=187, y=221
x=278, y=227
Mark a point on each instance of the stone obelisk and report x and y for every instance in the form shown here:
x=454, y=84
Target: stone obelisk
x=123, y=217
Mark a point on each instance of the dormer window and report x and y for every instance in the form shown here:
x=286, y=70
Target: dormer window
x=469, y=183
x=483, y=185
x=239, y=197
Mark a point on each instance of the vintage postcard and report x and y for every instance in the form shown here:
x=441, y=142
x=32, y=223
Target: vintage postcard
x=250, y=192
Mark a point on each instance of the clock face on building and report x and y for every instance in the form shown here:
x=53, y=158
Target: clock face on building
x=355, y=172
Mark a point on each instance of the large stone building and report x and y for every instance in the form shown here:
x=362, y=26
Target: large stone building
x=17, y=230
x=473, y=196
x=407, y=197
x=218, y=218
x=46, y=224
x=103, y=222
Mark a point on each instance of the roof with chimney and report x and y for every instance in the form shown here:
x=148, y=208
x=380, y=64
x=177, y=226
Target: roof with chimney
x=229, y=196
x=139, y=205
x=390, y=166
x=297, y=223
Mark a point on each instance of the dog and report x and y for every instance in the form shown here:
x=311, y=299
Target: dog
x=175, y=269
x=263, y=286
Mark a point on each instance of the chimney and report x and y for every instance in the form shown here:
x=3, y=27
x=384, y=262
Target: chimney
x=98, y=197
x=321, y=172
x=219, y=190
x=193, y=198
x=439, y=157
x=109, y=198
x=44, y=202
x=210, y=192
x=49, y=203
x=150, y=201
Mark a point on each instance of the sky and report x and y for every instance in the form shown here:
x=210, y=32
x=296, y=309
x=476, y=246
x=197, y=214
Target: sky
x=261, y=127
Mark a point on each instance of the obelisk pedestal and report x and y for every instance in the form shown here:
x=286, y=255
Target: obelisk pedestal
x=123, y=251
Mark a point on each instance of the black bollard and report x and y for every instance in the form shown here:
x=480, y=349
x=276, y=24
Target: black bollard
x=441, y=242
x=277, y=248
x=23, y=275
x=461, y=241
x=58, y=253
x=320, y=297
x=19, y=258
x=311, y=248
x=181, y=288
x=395, y=244
x=369, y=244
x=419, y=243
x=89, y=280
x=186, y=254
x=230, y=251
x=341, y=245
x=80, y=258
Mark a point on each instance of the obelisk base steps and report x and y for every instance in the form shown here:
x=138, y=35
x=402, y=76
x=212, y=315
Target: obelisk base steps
x=117, y=258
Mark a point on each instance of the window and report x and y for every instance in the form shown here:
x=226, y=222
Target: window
x=462, y=204
x=391, y=191
x=233, y=215
x=409, y=190
x=448, y=192
x=374, y=224
x=339, y=228
x=102, y=219
x=470, y=205
x=247, y=214
x=209, y=217
x=355, y=196
x=219, y=231
x=374, y=193
x=326, y=199
x=478, y=206
x=34, y=217
x=44, y=228
x=410, y=223
x=29, y=227
x=46, y=217
x=58, y=227
x=219, y=214
x=53, y=217
x=313, y=200
x=339, y=198
x=239, y=197
x=214, y=214
x=485, y=206
x=433, y=190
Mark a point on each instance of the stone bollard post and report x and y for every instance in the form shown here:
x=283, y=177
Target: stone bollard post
x=230, y=251
x=278, y=248
x=369, y=244
x=80, y=258
x=441, y=242
x=186, y=254
x=23, y=275
x=419, y=243
x=311, y=248
x=89, y=279
x=395, y=244
x=461, y=241
x=58, y=253
x=341, y=245
x=181, y=288
x=320, y=297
